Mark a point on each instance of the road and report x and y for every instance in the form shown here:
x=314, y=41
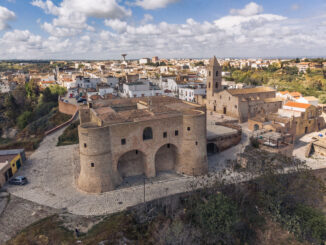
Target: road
x=50, y=170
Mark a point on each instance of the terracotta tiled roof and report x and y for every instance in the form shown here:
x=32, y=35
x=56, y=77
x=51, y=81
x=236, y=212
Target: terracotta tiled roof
x=297, y=105
x=250, y=90
x=295, y=94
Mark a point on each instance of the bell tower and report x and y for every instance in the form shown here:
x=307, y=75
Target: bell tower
x=214, y=77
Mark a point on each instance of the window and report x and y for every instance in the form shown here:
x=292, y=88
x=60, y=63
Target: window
x=92, y=165
x=123, y=141
x=176, y=133
x=196, y=142
x=147, y=134
x=168, y=145
x=165, y=135
x=216, y=85
x=217, y=73
x=188, y=128
x=209, y=85
x=209, y=73
x=235, y=106
x=136, y=152
x=85, y=145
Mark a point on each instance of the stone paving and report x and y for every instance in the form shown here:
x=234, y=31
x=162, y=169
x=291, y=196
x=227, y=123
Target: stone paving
x=300, y=147
x=50, y=171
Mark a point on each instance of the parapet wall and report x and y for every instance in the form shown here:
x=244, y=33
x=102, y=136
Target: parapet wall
x=67, y=108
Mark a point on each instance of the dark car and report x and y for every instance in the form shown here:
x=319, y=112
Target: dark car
x=80, y=100
x=20, y=180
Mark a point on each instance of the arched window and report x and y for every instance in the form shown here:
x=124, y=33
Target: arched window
x=217, y=73
x=148, y=134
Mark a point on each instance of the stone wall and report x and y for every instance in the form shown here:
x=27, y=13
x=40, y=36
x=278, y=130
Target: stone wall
x=67, y=108
x=286, y=151
x=224, y=142
x=108, y=153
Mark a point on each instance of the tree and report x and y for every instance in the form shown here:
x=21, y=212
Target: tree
x=12, y=109
x=322, y=99
x=218, y=217
x=24, y=119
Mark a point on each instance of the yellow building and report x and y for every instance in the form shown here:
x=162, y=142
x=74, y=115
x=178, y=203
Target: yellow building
x=10, y=162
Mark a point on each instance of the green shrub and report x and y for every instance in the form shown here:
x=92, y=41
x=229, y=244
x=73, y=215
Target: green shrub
x=218, y=217
x=24, y=119
x=70, y=135
x=312, y=224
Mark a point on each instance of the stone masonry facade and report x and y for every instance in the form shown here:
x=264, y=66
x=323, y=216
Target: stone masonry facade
x=131, y=137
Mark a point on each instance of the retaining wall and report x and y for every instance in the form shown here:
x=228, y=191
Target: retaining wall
x=67, y=108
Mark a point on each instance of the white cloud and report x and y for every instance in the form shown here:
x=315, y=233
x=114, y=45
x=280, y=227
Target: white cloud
x=5, y=16
x=239, y=34
x=147, y=18
x=251, y=8
x=73, y=14
x=117, y=25
x=236, y=24
x=154, y=4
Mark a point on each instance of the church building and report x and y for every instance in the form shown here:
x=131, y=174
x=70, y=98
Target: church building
x=238, y=103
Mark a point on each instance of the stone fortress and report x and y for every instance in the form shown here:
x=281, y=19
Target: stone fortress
x=120, y=138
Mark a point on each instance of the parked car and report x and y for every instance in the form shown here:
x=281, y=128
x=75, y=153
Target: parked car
x=80, y=100
x=20, y=180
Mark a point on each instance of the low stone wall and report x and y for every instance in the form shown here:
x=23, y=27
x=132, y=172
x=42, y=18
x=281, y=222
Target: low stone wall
x=286, y=151
x=230, y=125
x=224, y=142
x=62, y=125
x=67, y=108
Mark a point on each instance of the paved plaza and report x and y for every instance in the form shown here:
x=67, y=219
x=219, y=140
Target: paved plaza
x=50, y=170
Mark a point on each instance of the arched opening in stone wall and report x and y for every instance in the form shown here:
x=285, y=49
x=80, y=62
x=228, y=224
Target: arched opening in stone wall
x=166, y=158
x=256, y=127
x=131, y=163
x=212, y=148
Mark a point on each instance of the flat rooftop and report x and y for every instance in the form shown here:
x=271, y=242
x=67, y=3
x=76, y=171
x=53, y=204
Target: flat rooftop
x=214, y=131
x=4, y=158
x=115, y=111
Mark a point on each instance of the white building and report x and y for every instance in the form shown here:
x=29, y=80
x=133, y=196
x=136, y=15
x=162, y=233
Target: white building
x=188, y=93
x=293, y=109
x=112, y=81
x=86, y=82
x=144, y=61
x=105, y=90
x=308, y=100
x=174, y=86
x=140, y=89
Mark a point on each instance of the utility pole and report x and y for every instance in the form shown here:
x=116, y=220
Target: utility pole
x=144, y=188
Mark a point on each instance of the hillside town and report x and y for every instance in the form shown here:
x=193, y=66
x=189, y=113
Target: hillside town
x=116, y=125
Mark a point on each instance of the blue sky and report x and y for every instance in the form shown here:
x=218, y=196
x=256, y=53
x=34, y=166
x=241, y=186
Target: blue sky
x=102, y=29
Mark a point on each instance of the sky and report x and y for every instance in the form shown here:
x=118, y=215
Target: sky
x=104, y=29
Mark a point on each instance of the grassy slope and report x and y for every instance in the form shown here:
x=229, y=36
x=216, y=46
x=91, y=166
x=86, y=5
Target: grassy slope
x=33, y=134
